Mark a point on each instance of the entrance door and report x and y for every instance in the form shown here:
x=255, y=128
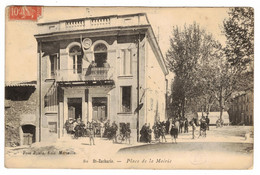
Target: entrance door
x=99, y=105
x=28, y=134
x=75, y=108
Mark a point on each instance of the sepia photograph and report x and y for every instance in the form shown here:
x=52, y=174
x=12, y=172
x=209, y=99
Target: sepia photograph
x=129, y=87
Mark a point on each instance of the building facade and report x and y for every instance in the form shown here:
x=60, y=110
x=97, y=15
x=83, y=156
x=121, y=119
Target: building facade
x=107, y=68
x=241, y=111
x=20, y=113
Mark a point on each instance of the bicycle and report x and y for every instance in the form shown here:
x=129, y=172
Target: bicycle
x=122, y=137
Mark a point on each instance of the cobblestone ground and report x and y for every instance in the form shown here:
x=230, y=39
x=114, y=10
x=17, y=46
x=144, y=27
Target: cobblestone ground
x=224, y=148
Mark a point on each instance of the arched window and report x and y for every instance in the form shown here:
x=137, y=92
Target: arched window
x=76, y=54
x=100, y=52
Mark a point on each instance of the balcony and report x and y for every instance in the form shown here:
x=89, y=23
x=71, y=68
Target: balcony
x=93, y=23
x=87, y=74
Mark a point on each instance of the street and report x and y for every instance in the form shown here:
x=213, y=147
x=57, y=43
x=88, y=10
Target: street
x=224, y=148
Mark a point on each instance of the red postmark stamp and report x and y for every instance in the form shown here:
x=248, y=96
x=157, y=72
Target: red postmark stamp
x=25, y=12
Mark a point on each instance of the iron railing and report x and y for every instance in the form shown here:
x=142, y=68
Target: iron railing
x=94, y=73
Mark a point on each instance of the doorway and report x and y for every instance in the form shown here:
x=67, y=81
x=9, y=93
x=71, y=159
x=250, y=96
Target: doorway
x=28, y=134
x=99, y=105
x=75, y=108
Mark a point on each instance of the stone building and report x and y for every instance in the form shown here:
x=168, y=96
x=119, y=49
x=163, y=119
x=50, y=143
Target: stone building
x=20, y=113
x=107, y=68
x=241, y=110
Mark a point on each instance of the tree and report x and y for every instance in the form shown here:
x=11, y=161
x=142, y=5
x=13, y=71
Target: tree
x=239, y=31
x=175, y=98
x=188, y=48
x=207, y=72
x=223, y=82
x=208, y=68
x=239, y=51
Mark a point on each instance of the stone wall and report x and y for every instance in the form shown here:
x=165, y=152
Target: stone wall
x=19, y=100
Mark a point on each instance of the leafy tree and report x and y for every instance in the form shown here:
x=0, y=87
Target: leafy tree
x=175, y=98
x=188, y=48
x=205, y=71
x=239, y=31
x=222, y=82
x=239, y=50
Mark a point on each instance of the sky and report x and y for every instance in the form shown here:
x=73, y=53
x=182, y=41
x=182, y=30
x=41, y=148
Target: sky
x=21, y=53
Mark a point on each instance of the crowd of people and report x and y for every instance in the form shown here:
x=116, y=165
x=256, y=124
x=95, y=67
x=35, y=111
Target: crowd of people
x=110, y=130
x=77, y=128
x=173, y=127
x=159, y=130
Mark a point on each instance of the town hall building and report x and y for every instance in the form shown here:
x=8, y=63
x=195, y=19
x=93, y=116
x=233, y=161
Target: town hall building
x=107, y=68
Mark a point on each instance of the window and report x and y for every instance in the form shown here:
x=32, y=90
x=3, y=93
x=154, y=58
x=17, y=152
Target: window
x=126, y=99
x=100, y=52
x=77, y=64
x=126, y=62
x=76, y=55
x=54, y=59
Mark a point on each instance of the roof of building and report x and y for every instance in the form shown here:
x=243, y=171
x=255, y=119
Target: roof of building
x=20, y=83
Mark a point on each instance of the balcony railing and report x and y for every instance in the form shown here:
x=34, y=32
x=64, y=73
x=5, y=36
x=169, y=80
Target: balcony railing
x=75, y=24
x=93, y=23
x=94, y=73
x=100, y=22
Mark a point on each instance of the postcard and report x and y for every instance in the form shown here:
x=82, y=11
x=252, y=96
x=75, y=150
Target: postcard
x=129, y=87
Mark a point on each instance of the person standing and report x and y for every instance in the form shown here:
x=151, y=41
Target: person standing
x=149, y=133
x=186, y=125
x=107, y=128
x=114, y=130
x=193, y=125
x=94, y=126
x=207, y=122
x=181, y=125
x=91, y=136
x=167, y=126
x=177, y=125
x=128, y=133
x=203, y=126
x=163, y=132
x=143, y=133
x=174, y=132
